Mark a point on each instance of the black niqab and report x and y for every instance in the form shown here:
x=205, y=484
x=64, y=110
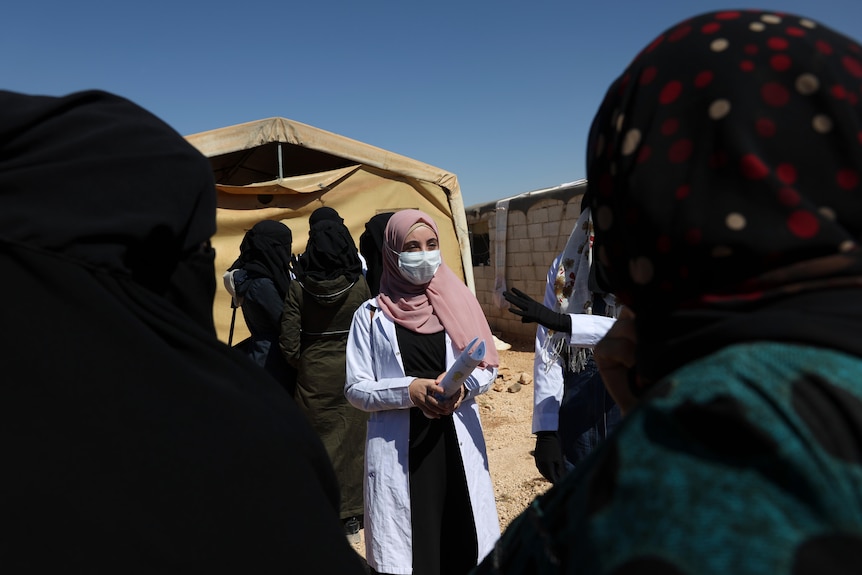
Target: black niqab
x=330, y=253
x=322, y=214
x=265, y=251
x=371, y=248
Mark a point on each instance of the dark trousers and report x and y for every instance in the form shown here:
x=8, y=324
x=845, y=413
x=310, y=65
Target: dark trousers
x=444, y=531
x=587, y=412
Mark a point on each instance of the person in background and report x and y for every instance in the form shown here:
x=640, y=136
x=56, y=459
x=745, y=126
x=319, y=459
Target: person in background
x=572, y=410
x=371, y=249
x=326, y=213
x=317, y=313
x=133, y=440
x=258, y=282
x=725, y=178
x=429, y=499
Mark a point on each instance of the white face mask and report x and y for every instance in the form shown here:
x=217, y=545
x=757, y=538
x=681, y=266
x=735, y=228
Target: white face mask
x=419, y=267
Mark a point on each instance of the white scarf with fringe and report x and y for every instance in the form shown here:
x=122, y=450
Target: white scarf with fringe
x=572, y=294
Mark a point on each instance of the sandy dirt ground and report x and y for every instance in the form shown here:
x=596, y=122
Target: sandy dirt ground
x=506, y=412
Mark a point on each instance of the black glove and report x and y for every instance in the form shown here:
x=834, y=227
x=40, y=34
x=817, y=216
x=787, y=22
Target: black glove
x=549, y=456
x=532, y=311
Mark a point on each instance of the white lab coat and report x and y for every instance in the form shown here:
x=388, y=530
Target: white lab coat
x=376, y=383
x=587, y=330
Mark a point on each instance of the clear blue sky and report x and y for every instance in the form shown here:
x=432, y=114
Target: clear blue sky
x=500, y=93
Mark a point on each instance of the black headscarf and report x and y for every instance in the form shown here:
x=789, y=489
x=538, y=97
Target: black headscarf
x=132, y=439
x=330, y=251
x=324, y=213
x=725, y=178
x=265, y=251
x=371, y=248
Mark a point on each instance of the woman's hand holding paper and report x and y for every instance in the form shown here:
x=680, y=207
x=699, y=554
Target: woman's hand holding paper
x=424, y=394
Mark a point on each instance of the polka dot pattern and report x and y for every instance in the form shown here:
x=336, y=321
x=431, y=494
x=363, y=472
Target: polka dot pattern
x=719, y=45
x=719, y=109
x=631, y=141
x=765, y=127
x=807, y=84
x=735, y=222
x=848, y=179
x=680, y=151
x=740, y=121
x=803, y=224
x=703, y=79
x=775, y=94
x=822, y=124
x=670, y=93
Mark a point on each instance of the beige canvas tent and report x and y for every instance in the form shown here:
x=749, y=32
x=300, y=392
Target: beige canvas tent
x=283, y=170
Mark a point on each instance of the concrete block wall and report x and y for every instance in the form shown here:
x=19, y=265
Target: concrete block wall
x=537, y=229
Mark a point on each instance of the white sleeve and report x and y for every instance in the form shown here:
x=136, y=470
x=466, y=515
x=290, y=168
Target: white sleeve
x=364, y=387
x=547, y=380
x=587, y=330
x=364, y=265
x=479, y=381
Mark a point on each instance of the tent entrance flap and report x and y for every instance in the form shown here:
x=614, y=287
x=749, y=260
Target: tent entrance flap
x=304, y=184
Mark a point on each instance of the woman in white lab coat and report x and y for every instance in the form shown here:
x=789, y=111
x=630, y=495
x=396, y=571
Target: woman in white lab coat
x=429, y=500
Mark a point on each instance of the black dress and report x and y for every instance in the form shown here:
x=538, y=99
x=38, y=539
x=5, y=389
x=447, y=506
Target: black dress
x=439, y=500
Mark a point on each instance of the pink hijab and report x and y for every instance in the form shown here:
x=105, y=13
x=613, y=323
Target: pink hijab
x=444, y=303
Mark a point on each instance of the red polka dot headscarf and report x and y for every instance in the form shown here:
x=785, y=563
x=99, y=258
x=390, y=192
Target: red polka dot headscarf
x=725, y=164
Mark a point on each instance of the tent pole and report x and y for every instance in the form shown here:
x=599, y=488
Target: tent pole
x=280, y=163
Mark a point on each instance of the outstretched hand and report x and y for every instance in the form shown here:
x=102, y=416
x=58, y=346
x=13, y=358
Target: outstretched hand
x=532, y=311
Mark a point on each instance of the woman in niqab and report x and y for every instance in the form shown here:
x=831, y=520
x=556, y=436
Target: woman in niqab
x=259, y=279
x=320, y=302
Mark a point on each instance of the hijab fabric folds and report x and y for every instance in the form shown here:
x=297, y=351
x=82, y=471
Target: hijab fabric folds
x=725, y=177
x=444, y=303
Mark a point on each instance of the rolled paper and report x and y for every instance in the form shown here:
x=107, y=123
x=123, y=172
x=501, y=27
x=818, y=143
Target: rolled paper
x=463, y=367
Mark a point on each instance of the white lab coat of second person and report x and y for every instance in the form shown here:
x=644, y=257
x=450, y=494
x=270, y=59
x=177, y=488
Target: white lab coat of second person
x=376, y=383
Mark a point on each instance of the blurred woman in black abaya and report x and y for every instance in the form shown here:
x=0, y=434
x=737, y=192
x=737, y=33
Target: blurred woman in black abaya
x=133, y=440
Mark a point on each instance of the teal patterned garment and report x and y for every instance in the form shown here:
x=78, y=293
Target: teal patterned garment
x=746, y=461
